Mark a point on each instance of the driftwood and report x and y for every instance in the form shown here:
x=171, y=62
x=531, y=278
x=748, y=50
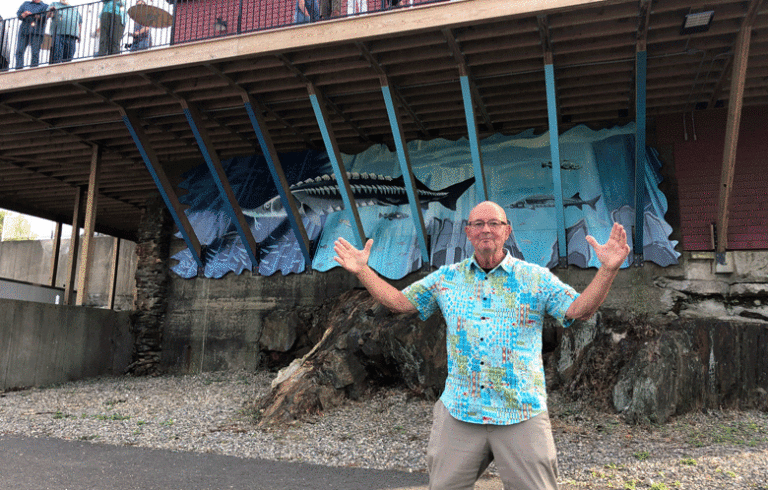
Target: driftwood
x=364, y=346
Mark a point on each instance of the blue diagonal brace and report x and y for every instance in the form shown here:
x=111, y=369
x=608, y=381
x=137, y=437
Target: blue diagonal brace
x=278, y=176
x=164, y=186
x=405, y=168
x=481, y=191
x=554, y=148
x=641, y=60
x=231, y=205
x=332, y=147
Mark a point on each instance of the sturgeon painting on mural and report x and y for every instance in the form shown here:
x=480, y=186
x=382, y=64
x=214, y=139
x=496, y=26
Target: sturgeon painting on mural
x=597, y=169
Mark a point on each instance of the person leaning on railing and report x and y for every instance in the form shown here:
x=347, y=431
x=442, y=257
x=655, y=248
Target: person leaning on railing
x=31, y=31
x=112, y=25
x=66, y=23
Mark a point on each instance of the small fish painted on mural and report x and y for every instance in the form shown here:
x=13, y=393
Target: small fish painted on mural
x=564, y=165
x=548, y=201
x=393, y=216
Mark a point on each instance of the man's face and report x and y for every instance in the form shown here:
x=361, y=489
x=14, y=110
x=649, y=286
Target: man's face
x=487, y=239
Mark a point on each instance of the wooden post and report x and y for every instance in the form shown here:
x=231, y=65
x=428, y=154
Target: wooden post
x=55, y=254
x=113, y=273
x=735, y=103
x=74, y=246
x=86, y=252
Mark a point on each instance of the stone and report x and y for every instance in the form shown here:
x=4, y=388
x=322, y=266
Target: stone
x=280, y=330
x=152, y=277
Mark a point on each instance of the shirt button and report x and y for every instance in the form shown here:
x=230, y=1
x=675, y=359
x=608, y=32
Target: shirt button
x=482, y=363
x=482, y=387
x=481, y=339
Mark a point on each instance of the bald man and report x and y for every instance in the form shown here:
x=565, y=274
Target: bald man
x=494, y=406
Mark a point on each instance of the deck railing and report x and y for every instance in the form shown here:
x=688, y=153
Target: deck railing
x=58, y=33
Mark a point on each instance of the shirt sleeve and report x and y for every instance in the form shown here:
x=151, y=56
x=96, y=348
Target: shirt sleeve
x=422, y=295
x=560, y=296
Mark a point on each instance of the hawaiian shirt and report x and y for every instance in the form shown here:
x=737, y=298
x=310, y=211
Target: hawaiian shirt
x=494, y=339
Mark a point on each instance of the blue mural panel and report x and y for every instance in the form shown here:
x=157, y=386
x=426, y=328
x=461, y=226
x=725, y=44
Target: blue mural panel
x=597, y=170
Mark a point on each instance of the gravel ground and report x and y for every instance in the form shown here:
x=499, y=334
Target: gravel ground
x=212, y=412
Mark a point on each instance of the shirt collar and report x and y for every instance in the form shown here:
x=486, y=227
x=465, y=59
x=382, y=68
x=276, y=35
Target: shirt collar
x=507, y=263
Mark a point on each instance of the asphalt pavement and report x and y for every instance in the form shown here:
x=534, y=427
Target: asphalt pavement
x=28, y=463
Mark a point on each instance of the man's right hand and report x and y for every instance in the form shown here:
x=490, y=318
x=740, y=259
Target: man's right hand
x=349, y=257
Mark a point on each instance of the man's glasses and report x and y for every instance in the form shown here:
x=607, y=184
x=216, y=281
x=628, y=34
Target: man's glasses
x=493, y=224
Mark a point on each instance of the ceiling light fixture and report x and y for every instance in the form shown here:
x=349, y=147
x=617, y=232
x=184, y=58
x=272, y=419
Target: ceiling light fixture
x=698, y=22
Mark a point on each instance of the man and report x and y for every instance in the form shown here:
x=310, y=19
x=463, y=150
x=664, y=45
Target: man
x=66, y=23
x=141, y=36
x=494, y=403
x=112, y=25
x=307, y=11
x=31, y=31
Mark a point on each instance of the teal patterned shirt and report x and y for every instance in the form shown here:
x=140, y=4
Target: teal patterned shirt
x=494, y=337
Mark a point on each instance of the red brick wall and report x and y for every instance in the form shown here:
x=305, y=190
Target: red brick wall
x=698, y=164
x=195, y=19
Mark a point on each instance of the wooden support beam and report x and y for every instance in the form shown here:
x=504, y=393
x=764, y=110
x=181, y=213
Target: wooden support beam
x=461, y=60
x=164, y=186
x=74, y=247
x=481, y=191
x=55, y=255
x=278, y=176
x=86, y=251
x=376, y=66
x=231, y=206
x=640, y=160
x=735, y=103
x=113, y=273
x=405, y=169
x=332, y=148
x=554, y=151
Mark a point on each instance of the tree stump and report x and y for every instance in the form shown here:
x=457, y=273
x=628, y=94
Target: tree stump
x=364, y=346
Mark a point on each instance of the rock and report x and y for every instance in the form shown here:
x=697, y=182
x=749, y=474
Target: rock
x=695, y=287
x=695, y=364
x=657, y=382
x=750, y=289
x=280, y=330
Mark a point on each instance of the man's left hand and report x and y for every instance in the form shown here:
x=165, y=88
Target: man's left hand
x=613, y=253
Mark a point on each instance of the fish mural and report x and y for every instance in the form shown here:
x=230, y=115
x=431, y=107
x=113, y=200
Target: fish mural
x=599, y=165
x=548, y=201
x=321, y=195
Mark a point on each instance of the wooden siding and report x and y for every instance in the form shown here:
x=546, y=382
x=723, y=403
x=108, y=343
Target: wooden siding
x=698, y=164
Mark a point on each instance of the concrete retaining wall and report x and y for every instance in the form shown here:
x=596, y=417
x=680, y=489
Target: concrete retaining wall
x=43, y=344
x=216, y=324
x=30, y=261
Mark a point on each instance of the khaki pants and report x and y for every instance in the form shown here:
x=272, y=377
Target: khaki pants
x=459, y=452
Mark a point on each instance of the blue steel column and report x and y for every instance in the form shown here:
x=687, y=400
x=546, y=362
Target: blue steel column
x=220, y=178
x=278, y=176
x=405, y=168
x=640, y=158
x=165, y=188
x=481, y=192
x=340, y=172
x=554, y=148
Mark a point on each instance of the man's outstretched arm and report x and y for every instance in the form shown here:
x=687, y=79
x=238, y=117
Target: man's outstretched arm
x=611, y=256
x=356, y=262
